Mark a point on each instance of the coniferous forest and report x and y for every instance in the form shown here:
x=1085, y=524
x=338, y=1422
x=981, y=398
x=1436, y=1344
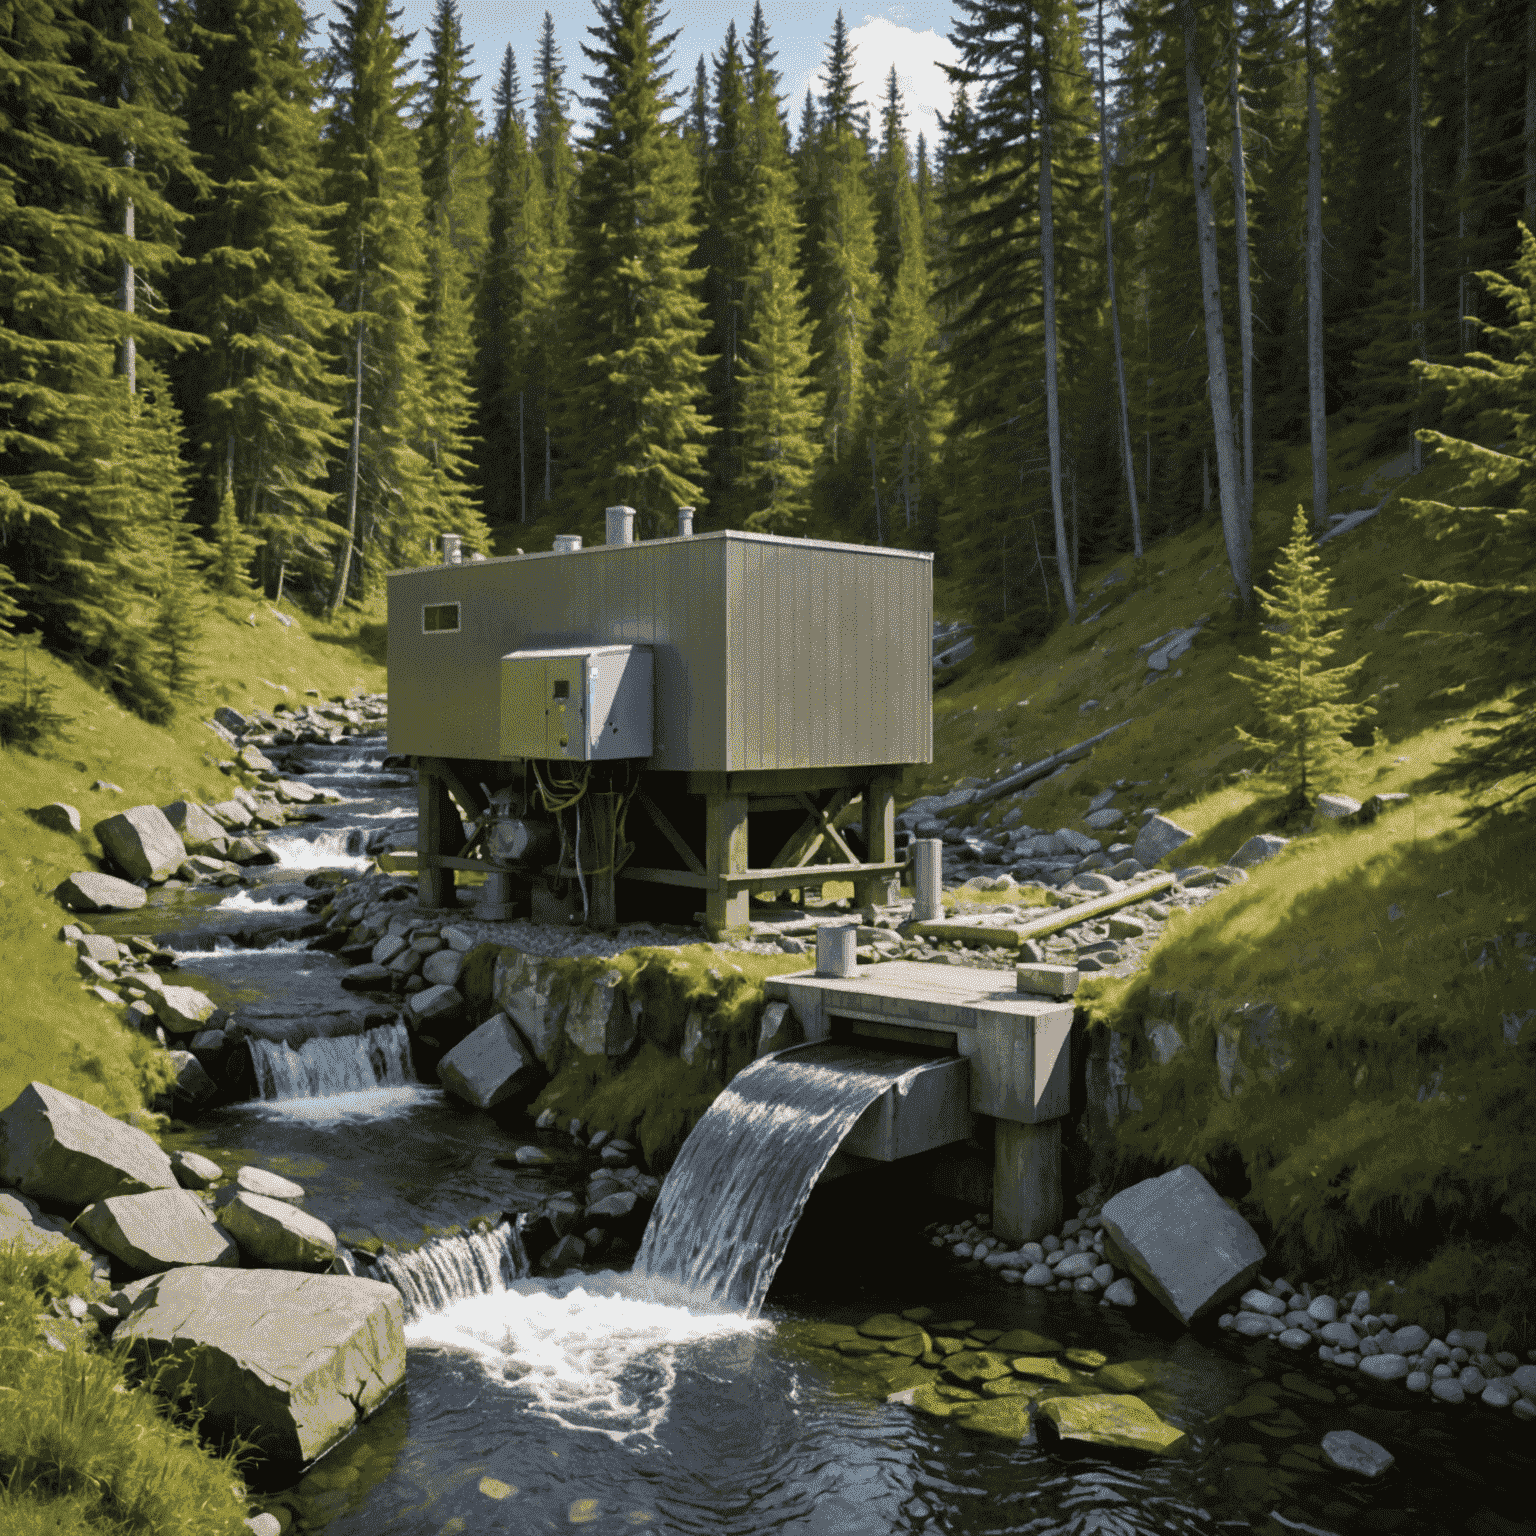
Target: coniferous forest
x=278, y=305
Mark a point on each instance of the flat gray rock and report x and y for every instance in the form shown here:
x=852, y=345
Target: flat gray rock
x=199, y=832
x=1385, y=1366
x=260, y=1181
x=57, y=817
x=1182, y=1242
x=183, y=1010
x=368, y=978
x=88, y=890
x=1157, y=839
x=23, y=1221
x=275, y=1233
x=1257, y=849
x=490, y=1065
x=160, y=1230
x=56, y=1147
x=291, y=1362
x=142, y=843
x=1336, y=807
x=1351, y=1452
x=195, y=1171
x=443, y=969
x=192, y=1081
x=434, y=1003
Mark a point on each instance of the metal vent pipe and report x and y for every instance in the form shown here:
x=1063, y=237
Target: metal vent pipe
x=567, y=543
x=621, y=525
x=685, y=522
x=451, y=551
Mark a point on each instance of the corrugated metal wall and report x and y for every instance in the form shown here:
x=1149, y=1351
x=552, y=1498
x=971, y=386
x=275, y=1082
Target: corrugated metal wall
x=770, y=652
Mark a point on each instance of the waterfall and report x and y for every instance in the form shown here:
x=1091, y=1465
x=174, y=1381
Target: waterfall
x=449, y=1269
x=346, y=848
x=379, y=1058
x=729, y=1206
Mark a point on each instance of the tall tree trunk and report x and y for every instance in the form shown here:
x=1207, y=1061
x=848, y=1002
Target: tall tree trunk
x=128, y=363
x=874, y=480
x=522, y=464
x=344, y=556
x=1234, y=524
x=1244, y=286
x=1048, y=287
x=1317, y=401
x=1114, y=304
x=1416, y=216
x=1463, y=198
x=1530, y=114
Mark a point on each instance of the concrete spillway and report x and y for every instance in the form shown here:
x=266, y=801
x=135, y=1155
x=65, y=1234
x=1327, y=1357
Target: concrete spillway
x=378, y=1058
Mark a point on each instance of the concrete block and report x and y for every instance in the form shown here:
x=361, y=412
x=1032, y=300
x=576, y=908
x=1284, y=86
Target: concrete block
x=1058, y=981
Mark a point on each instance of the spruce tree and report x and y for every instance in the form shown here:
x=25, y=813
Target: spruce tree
x=634, y=427
x=260, y=396
x=454, y=202
x=383, y=483
x=1301, y=701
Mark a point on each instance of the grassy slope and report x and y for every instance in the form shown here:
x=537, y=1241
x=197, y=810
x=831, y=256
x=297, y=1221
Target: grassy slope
x=1338, y=1158
x=50, y=1027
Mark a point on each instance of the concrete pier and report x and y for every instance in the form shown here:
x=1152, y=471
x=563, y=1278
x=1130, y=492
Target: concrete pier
x=928, y=880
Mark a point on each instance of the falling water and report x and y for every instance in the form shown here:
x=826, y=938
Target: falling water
x=731, y=1201
x=338, y=849
x=378, y=1058
x=450, y=1269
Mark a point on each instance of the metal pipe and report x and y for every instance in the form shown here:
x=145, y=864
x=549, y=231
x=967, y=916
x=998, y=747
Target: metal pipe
x=621, y=525
x=685, y=522
x=452, y=554
x=567, y=543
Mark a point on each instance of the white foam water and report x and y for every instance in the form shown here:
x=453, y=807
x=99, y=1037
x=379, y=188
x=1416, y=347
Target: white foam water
x=362, y=1107
x=227, y=949
x=326, y=850
x=595, y=1353
x=333, y=1064
x=450, y=1269
x=244, y=901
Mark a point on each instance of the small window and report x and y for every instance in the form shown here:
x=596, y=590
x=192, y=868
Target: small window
x=562, y=688
x=437, y=618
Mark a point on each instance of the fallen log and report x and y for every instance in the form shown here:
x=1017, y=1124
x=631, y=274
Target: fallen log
x=1043, y=767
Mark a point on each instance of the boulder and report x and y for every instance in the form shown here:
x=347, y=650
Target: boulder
x=57, y=817
x=231, y=719
x=294, y=793
x=1182, y=1242
x=1351, y=1452
x=368, y=978
x=523, y=989
x=1336, y=807
x=254, y=760
x=290, y=1362
x=1171, y=647
x=491, y=1065
x=278, y=1234
x=142, y=843
x=1102, y=821
x=1257, y=849
x=89, y=891
x=1111, y=1418
x=1069, y=840
x=443, y=969
x=230, y=814
x=1157, y=839
x=56, y=1147
x=598, y=1021
x=192, y=1081
x=100, y=948
x=194, y=1171
x=158, y=1231
x=432, y=1004
x=389, y=947
x=259, y=1181
x=182, y=1010
x=23, y=1221
x=246, y=850
x=199, y=832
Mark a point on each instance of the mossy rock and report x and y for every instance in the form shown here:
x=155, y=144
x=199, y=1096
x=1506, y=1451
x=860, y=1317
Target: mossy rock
x=477, y=977
x=931, y=1357
x=948, y=1346
x=856, y=1347
x=822, y=1335
x=1020, y=1341
x=886, y=1325
x=1040, y=1368
x=1112, y=1419
x=926, y=1398
x=913, y=1346
x=1127, y=1375
x=897, y=1377
x=984, y=1336
x=1012, y=1386
x=1006, y=1417
x=958, y=1327
x=956, y=1394
x=918, y=1314
x=971, y=1367
x=1089, y=1359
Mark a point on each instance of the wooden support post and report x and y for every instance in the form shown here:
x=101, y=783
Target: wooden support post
x=602, y=909
x=438, y=831
x=726, y=911
x=1026, y=1180
x=879, y=841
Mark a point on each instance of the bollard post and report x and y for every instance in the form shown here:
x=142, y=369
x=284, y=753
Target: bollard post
x=927, y=880
x=495, y=904
x=835, y=946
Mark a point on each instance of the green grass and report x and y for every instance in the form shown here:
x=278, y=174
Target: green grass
x=82, y=1449
x=56, y=1031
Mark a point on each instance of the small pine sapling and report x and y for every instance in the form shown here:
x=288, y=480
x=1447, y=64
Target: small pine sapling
x=233, y=551
x=1302, y=701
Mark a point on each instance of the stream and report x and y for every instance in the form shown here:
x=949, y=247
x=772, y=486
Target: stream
x=587, y=1401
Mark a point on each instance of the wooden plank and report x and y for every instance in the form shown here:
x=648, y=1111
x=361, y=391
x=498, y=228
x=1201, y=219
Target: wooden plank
x=668, y=831
x=1014, y=934
x=725, y=854
x=784, y=781
x=698, y=882
x=468, y=795
x=825, y=830
x=807, y=836
x=804, y=874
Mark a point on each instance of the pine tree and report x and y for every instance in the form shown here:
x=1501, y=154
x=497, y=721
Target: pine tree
x=232, y=551
x=260, y=396
x=383, y=484
x=453, y=196
x=634, y=426
x=1489, y=531
x=1302, y=702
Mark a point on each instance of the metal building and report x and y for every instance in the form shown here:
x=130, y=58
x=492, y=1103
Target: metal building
x=722, y=699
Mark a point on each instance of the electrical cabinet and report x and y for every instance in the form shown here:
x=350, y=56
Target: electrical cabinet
x=584, y=704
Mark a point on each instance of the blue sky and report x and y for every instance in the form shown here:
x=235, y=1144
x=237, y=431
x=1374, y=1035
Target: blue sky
x=910, y=36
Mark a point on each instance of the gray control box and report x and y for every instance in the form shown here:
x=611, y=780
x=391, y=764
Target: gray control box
x=582, y=704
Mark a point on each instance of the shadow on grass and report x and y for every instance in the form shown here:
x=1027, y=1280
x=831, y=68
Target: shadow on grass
x=372, y=640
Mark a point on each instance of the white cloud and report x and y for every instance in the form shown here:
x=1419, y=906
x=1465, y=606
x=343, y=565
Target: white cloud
x=878, y=45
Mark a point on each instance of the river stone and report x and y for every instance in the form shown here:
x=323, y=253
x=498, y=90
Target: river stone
x=886, y=1325
x=275, y=1233
x=1255, y=1325
x=1340, y=1335
x=199, y=832
x=89, y=891
x=259, y=1181
x=23, y=1221
x=1182, y=1241
x=183, y=1010
x=1323, y=1309
x=230, y=814
x=1350, y=1452
x=621, y=1202
x=254, y=760
x=142, y=843
x=391, y=945
x=1021, y=1341
x=1410, y=1340
x=1113, y=1419
x=443, y=969
x=290, y=1362
x=1262, y=1301
x=1157, y=840
x=57, y=1147
x=1524, y=1377
x=1384, y=1367
x=1257, y=849
x=1040, y=1368
x=368, y=978
x=598, y=1021
x=1447, y=1389
x=102, y=949
x=1336, y=807
x=195, y=1171
x=971, y=1367
x=192, y=1080
x=435, y=1003
x=1039, y=1274
x=1076, y=1265
x=57, y=817
x=490, y=1065
x=569, y=1250
x=158, y=1231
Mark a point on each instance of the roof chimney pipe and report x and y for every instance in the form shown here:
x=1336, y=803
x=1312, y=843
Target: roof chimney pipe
x=685, y=522
x=621, y=525
x=452, y=554
x=567, y=543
